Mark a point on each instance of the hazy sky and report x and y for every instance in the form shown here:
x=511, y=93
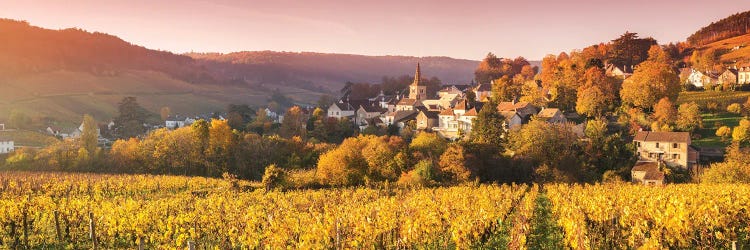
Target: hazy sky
x=455, y=28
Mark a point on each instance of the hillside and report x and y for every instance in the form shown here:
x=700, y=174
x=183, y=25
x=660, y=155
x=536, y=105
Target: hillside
x=731, y=26
x=733, y=49
x=60, y=75
x=321, y=72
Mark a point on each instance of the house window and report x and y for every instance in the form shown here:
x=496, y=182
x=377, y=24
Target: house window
x=638, y=154
x=674, y=145
x=676, y=156
x=657, y=144
x=337, y=113
x=638, y=144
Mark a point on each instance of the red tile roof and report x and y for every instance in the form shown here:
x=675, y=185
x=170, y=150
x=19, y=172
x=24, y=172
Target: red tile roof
x=651, y=169
x=644, y=136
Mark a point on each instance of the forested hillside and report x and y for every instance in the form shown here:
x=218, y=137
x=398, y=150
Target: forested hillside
x=321, y=71
x=734, y=25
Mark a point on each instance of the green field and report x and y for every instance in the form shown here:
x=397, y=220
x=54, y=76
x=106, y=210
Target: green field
x=707, y=134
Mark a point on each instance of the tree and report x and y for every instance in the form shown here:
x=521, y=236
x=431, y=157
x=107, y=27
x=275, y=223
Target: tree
x=454, y=166
x=90, y=134
x=724, y=132
x=129, y=122
x=272, y=177
x=430, y=145
x=165, y=112
x=221, y=142
x=487, y=128
x=689, y=117
x=727, y=172
x=262, y=123
x=293, y=123
x=551, y=145
x=652, y=80
x=591, y=101
x=504, y=90
x=664, y=111
x=734, y=108
x=630, y=50
x=344, y=165
x=532, y=93
x=741, y=133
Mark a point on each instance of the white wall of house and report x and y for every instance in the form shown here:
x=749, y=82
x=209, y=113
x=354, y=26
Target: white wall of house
x=6, y=147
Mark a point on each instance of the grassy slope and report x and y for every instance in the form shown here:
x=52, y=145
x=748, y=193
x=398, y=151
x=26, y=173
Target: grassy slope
x=28, y=138
x=740, y=55
x=702, y=97
x=65, y=96
x=710, y=121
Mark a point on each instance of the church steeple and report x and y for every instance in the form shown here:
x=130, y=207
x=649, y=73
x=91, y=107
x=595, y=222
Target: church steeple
x=417, y=90
x=417, y=77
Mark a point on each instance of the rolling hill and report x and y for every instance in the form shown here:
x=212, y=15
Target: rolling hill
x=59, y=75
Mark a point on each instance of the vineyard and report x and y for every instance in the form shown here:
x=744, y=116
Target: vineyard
x=73, y=211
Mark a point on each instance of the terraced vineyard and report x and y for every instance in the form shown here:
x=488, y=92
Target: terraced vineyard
x=49, y=210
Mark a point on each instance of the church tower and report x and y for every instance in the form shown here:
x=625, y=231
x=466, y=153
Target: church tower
x=417, y=90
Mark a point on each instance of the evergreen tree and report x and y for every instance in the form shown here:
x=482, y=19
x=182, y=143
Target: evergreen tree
x=129, y=123
x=487, y=128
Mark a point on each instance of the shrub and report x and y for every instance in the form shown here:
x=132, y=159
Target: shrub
x=724, y=132
x=734, y=108
x=273, y=177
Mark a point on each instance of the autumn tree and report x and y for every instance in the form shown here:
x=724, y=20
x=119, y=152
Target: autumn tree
x=741, y=133
x=293, y=123
x=428, y=145
x=724, y=132
x=90, y=134
x=689, y=117
x=504, y=90
x=652, y=80
x=664, y=111
x=591, y=101
x=454, y=166
x=551, y=145
x=734, y=108
x=533, y=93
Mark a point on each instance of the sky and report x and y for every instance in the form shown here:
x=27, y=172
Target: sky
x=460, y=29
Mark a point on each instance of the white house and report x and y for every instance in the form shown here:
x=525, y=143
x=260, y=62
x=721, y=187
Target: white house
x=6, y=145
x=342, y=109
x=702, y=80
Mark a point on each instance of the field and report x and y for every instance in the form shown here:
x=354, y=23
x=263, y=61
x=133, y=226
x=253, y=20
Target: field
x=50, y=210
x=707, y=134
x=28, y=138
x=721, y=97
x=65, y=96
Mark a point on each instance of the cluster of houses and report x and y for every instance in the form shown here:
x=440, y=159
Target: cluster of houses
x=707, y=79
x=179, y=121
x=450, y=114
